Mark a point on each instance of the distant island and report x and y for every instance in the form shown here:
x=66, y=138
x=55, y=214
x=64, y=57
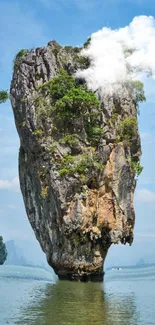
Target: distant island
x=15, y=256
x=3, y=251
x=137, y=265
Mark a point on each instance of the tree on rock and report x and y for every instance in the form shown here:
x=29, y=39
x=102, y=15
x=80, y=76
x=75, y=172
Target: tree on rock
x=3, y=251
x=3, y=96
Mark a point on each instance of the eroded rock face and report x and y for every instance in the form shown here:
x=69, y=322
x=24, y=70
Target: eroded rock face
x=74, y=221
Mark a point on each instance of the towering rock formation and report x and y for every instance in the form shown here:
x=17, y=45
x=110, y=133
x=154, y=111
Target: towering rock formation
x=77, y=162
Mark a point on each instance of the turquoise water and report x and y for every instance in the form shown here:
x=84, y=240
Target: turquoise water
x=34, y=296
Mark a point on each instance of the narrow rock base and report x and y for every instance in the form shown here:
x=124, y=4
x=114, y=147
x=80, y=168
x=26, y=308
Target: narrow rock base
x=85, y=277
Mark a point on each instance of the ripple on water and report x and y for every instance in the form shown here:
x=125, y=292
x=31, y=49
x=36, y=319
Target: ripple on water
x=124, y=299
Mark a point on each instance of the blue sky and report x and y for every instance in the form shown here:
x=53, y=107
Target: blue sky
x=33, y=23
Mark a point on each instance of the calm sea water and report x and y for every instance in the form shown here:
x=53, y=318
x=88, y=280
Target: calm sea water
x=32, y=296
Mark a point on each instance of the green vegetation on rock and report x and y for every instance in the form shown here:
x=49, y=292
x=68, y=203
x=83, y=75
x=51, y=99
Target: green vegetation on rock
x=3, y=251
x=70, y=139
x=87, y=163
x=77, y=102
x=127, y=129
x=59, y=85
x=3, y=96
x=136, y=167
x=71, y=101
x=19, y=56
x=74, y=110
x=138, y=94
x=38, y=132
x=87, y=42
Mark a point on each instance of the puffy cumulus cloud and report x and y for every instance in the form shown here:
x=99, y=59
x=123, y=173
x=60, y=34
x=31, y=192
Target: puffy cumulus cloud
x=145, y=196
x=11, y=185
x=117, y=56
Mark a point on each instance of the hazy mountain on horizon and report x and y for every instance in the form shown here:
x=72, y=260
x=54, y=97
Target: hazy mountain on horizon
x=25, y=253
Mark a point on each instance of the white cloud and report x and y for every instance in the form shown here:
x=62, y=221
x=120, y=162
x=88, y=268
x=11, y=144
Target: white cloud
x=110, y=66
x=145, y=196
x=11, y=185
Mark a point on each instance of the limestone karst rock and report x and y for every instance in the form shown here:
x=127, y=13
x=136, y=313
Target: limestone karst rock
x=76, y=165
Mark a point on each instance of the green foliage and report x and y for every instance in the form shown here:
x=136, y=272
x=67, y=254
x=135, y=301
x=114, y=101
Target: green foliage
x=77, y=49
x=43, y=109
x=56, y=49
x=94, y=132
x=138, y=93
x=23, y=100
x=88, y=162
x=82, y=60
x=37, y=76
x=19, y=56
x=3, y=96
x=76, y=102
x=67, y=159
x=38, y=132
x=68, y=48
x=85, y=164
x=87, y=42
x=65, y=171
x=67, y=165
x=114, y=117
x=59, y=85
x=136, y=167
x=70, y=139
x=3, y=251
x=52, y=149
x=71, y=100
x=127, y=129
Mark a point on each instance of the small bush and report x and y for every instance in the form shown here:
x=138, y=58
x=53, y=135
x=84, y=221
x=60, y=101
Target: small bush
x=88, y=162
x=136, y=167
x=76, y=102
x=65, y=171
x=70, y=139
x=94, y=133
x=66, y=165
x=38, y=132
x=59, y=85
x=127, y=129
x=52, y=149
x=56, y=49
x=82, y=60
x=68, y=48
x=138, y=93
x=86, y=44
x=3, y=96
x=19, y=56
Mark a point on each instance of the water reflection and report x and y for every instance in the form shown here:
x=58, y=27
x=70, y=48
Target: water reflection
x=71, y=303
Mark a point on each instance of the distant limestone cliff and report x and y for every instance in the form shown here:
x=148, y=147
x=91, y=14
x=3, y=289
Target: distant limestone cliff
x=78, y=160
